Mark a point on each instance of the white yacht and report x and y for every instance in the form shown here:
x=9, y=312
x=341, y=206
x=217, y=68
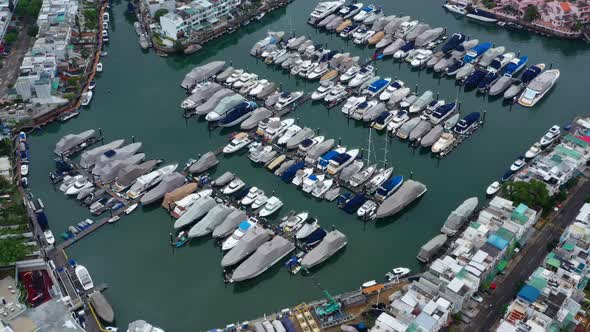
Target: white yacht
x=336, y=93
x=493, y=188
x=272, y=205
x=388, y=92
x=365, y=74
x=259, y=201
x=238, y=142
x=550, y=136
x=323, y=9
x=350, y=73
x=301, y=175
x=322, y=187
x=309, y=183
x=352, y=103
x=86, y=98
x=290, y=132
x=81, y=183
x=533, y=151
x=252, y=195
x=322, y=91
x=287, y=98
x=235, y=185
x=237, y=235
x=538, y=87
x=398, y=120
x=145, y=182
x=84, y=277
x=443, y=142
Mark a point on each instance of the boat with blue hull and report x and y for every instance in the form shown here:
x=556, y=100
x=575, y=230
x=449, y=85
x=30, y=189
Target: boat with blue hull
x=354, y=203
x=466, y=123
x=389, y=187
x=289, y=174
x=453, y=42
x=476, y=52
x=238, y=114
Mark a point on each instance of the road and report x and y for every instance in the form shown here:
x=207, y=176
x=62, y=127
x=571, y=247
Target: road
x=10, y=70
x=491, y=309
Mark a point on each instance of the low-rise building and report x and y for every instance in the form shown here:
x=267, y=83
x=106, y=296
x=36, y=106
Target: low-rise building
x=195, y=16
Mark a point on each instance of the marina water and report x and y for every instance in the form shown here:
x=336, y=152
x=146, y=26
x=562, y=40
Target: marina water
x=138, y=94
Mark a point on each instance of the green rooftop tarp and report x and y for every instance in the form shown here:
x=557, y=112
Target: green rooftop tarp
x=568, y=152
x=502, y=265
x=519, y=213
x=569, y=247
x=505, y=234
x=576, y=141
x=553, y=262
x=538, y=282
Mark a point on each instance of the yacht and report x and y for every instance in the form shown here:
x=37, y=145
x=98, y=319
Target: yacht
x=442, y=112
x=404, y=196
x=383, y=120
x=538, y=87
x=287, y=98
x=362, y=38
x=350, y=30
x=253, y=194
x=238, y=114
x=277, y=128
x=84, y=277
x=365, y=74
x=481, y=15
x=301, y=175
x=404, y=131
x=364, y=13
x=518, y=164
x=259, y=201
x=398, y=120
x=550, y=136
x=404, y=28
x=351, y=10
x=336, y=93
x=421, y=58
x=271, y=206
x=367, y=209
x=389, y=187
x=310, y=182
x=377, y=87
x=323, y=90
x=238, y=142
x=309, y=143
x=452, y=121
x=474, y=53
x=457, y=9
x=235, y=185
x=145, y=182
x=182, y=205
x=463, y=126
x=380, y=178
x=81, y=183
x=306, y=68
x=329, y=245
x=361, y=177
x=350, y=73
x=352, y=103
x=403, y=52
x=244, y=79
x=237, y=235
x=290, y=132
x=318, y=71
x=322, y=187
x=388, y=92
x=235, y=76
x=422, y=102
x=267, y=255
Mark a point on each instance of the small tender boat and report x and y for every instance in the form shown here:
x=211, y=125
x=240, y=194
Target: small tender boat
x=493, y=188
x=533, y=151
x=131, y=208
x=86, y=98
x=518, y=164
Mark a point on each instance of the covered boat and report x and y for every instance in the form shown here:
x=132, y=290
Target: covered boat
x=102, y=307
x=459, y=216
x=118, y=154
x=169, y=183
x=318, y=150
x=130, y=173
x=432, y=136
x=178, y=194
x=196, y=211
x=246, y=246
x=213, y=101
x=429, y=36
x=201, y=73
x=258, y=115
x=70, y=141
x=431, y=248
x=406, y=194
x=214, y=218
x=207, y=161
x=89, y=157
x=300, y=136
x=229, y=224
x=420, y=130
x=109, y=172
x=265, y=256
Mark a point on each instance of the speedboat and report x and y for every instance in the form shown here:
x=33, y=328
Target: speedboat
x=237, y=235
x=253, y=194
x=441, y=113
x=80, y=184
x=86, y=98
x=518, y=164
x=84, y=277
x=538, y=87
x=388, y=92
x=364, y=13
x=476, y=52
x=361, y=177
x=287, y=98
x=389, y=187
x=367, y=209
x=533, y=151
x=352, y=103
x=550, y=136
x=336, y=93
x=235, y=185
x=397, y=273
x=455, y=8
x=465, y=124
x=493, y=188
x=322, y=91
x=309, y=143
x=340, y=161
x=238, y=142
x=49, y=238
x=377, y=87
x=383, y=120
x=351, y=10
x=271, y=206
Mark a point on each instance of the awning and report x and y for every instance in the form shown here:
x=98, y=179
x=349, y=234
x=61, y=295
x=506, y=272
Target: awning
x=502, y=265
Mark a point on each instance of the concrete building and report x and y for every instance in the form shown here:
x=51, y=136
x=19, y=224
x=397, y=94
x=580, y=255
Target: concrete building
x=154, y=5
x=5, y=168
x=196, y=16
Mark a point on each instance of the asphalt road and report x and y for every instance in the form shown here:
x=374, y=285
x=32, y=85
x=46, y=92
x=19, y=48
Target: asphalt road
x=533, y=254
x=10, y=71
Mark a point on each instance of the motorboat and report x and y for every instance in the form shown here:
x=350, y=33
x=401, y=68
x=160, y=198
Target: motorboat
x=343, y=25
x=474, y=78
x=290, y=132
x=493, y=188
x=518, y=164
x=399, y=95
x=455, y=8
x=200, y=95
x=259, y=202
x=86, y=98
x=351, y=10
x=376, y=38
x=514, y=90
x=373, y=112
x=301, y=175
x=299, y=137
x=83, y=276
x=262, y=154
x=367, y=209
x=481, y=15
x=377, y=87
x=245, y=79
x=147, y=181
x=409, y=191
x=182, y=205
x=420, y=58
x=224, y=106
x=272, y=38
x=538, y=87
x=218, y=100
x=429, y=36
x=323, y=90
x=260, y=85
x=71, y=141
x=309, y=183
x=477, y=51
x=238, y=142
x=340, y=161
x=373, y=16
x=501, y=85
x=81, y=183
x=380, y=177
x=445, y=141
x=551, y=136
x=531, y=72
x=397, y=273
x=533, y=151
x=365, y=74
x=287, y=98
x=296, y=42
x=363, y=176
x=318, y=71
x=455, y=67
x=253, y=194
x=237, y=114
x=391, y=88
x=350, y=30
x=322, y=187
x=235, y=185
x=68, y=181
x=363, y=38
x=324, y=161
x=383, y=120
x=364, y=13
x=490, y=55
x=329, y=245
x=258, y=115
x=352, y=103
x=201, y=73
x=276, y=128
x=454, y=41
x=326, y=20
x=404, y=28
x=389, y=187
x=336, y=93
x=350, y=73
x=466, y=123
x=318, y=150
x=272, y=205
x=515, y=66
x=309, y=143
x=306, y=68
x=224, y=75
x=404, y=51
x=361, y=108
x=237, y=235
x=398, y=120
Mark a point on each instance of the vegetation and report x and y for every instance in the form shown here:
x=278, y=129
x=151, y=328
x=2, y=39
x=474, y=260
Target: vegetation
x=33, y=30
x=28, y=8
x=159, y=13
x=533, y=194
x=531, y=14
x=12, y=250
x=10, y=37
x=178, y=47
x=489, y=4
x=90, y=19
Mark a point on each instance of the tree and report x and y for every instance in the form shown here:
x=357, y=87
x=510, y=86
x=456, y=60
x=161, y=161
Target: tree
x=159, y=13
x=11, y=37
x=11, y=250
x=90, y=19
x=33, y=30
x=531, y=14
x=534, y=194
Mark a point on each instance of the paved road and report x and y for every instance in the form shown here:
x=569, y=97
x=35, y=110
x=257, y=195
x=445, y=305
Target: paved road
x=9, y=72
x=533, y=254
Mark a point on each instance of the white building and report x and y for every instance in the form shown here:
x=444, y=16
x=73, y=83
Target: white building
x=196, y=16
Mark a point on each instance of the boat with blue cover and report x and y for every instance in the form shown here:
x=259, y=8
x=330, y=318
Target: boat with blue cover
x=389, y=187
x=531, y=72
x=325, y=159
x=354, y=203
x=238, y=114
x=516, y=65
x=476, y=52
x=454, y=68
x=315, y=237
x=472, y=81
x=378, y=86
x=404, y=50
x=343, y=198
x=453, y=42
x=442, y=112
x=488, y=80
x=466, y=123
x=289, y=174
x=328, y=56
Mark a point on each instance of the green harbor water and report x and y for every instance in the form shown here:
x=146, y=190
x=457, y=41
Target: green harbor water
x=138, y=94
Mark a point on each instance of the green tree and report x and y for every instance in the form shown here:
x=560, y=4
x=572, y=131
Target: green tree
x=531, y=14
x=11, y=250
x=534, y=194
x=11, y=37
x=21, y=7
x=33, y=30
x=178, y=47
x=34, y=8
x=159, y=13
x=90, y=19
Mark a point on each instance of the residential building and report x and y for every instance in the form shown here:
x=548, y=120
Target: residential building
x=196, y=16
x=5, y=168
x=154, y=5
x=551, y=298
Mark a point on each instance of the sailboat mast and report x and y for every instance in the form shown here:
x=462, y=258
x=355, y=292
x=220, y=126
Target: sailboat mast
x=385, y=152
x=369, y=147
